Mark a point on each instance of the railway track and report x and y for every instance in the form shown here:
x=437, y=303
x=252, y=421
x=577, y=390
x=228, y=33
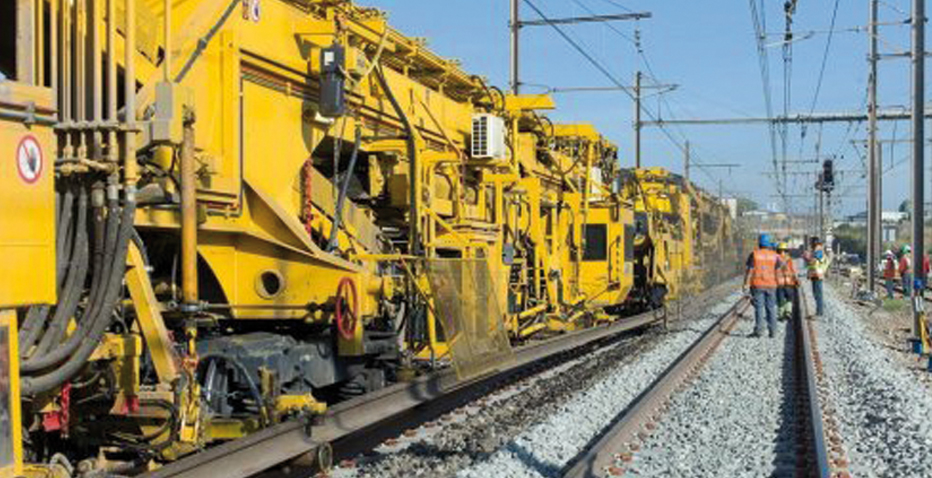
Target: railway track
x=299, y=448
x=362, y=423
x=613, y=450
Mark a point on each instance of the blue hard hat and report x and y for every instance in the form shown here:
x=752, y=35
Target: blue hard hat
x=764, y=241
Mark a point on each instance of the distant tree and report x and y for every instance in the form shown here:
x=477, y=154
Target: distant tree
x=906, y=207
x=852, y=239
x=745, y=205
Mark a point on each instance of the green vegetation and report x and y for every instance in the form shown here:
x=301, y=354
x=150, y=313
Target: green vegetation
x=852, y=239
x=895, y=305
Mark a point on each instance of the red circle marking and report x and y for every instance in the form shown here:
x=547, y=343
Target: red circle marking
x=346, y=320
x=22, y=143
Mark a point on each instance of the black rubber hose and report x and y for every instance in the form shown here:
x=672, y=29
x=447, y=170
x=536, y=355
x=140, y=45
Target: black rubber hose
x=141, y=245
x=37, y=317
x=344, y=188
x=33, y=324
x=100, y=238
x=414, y=244
x=74, y=285
x=100, y=322
x=47, y=357
x=64, y=231
x=104, y=257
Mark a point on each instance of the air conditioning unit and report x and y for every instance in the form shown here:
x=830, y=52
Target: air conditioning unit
x=488, y=137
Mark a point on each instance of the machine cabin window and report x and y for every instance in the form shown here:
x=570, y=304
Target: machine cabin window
x=596, y=236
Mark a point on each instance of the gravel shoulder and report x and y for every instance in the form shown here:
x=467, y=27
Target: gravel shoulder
x=890, y=326
x=881, y=406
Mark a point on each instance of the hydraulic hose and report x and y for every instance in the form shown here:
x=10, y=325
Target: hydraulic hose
x=64, y=231
x=74, y=285
x=37, y=317
x=47, y=357
x=100, y=321
x=414, y=245
x=338, y=215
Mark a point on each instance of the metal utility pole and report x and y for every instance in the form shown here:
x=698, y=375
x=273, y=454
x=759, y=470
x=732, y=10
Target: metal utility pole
x=515, y=30
x=686, y=160
x=919, y=38
x=516, y=25
x=821, y=214
x=873, y=169
x=637, y=119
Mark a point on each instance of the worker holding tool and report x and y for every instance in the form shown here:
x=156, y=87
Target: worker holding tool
x=889, y=272
x=762, y=278
x=787, y=282
x=816, y=268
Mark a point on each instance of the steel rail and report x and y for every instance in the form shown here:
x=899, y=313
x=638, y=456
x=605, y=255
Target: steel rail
x=807, y=368
x=361, y=416
x=601, y=455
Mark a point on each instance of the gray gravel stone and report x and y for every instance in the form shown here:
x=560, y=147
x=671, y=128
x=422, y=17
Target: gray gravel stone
x=730, y=422
x=546, y=447
x=882, y=410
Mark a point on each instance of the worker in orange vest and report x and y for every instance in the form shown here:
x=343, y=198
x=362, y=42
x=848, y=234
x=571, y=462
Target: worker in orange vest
x=761, y=277
x=906, y=266
x=787, y=282
x=889, y=272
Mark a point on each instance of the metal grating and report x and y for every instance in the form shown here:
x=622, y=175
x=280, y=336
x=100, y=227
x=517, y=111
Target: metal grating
x=472, y=318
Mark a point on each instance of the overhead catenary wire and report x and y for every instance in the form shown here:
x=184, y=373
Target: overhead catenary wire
x=758, y=21
x=612, y=78
x=825, y=53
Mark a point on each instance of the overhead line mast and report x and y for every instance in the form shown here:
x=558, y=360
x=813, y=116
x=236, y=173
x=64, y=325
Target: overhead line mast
x=517, y=23
x=873, y=166
x=919, y=38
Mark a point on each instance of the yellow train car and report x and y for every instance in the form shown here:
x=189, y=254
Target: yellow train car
x=266, y=207
x=685, y=240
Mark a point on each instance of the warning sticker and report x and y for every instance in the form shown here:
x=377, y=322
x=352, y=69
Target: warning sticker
x=29, y=161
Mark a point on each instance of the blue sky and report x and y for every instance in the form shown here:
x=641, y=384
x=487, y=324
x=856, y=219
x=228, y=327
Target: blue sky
x=708, y=48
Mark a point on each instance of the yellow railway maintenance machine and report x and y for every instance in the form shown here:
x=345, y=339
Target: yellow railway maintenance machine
x=27, y=233
x=222, y=214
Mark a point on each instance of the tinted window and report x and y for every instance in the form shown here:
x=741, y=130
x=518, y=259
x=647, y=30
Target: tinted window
x=629, y=243
x=596, y=242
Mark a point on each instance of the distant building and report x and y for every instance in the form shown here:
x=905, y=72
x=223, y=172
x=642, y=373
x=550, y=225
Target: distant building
x=887, y=218
x=893, y=216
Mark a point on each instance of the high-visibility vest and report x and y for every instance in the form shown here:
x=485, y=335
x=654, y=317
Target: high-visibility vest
x=889, y=269
x=764, y=271
x=816, y=268
x=787, y=274
x=905, y=264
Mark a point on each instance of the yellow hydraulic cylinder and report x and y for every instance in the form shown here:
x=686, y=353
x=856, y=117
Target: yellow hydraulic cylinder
x=188, y=219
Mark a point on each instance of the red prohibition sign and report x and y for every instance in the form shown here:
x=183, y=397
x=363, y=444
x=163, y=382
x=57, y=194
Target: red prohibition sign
x=29, y=160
